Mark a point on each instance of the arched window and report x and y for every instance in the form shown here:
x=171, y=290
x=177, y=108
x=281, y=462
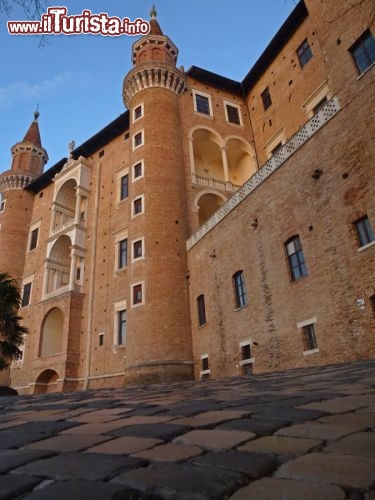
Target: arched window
x=51, y=341
x=240, y=295
x=296, y=259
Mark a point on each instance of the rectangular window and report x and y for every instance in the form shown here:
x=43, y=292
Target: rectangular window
x=266, y=98
x=137, y=170
x=101, y=339
x=121, y=327
x=137, y=294
x=202, y=104
x=245, y=352
x=247, y=361
x=137, y=249
x=239, y=289
x=296, y=258
x=276, y=149
x=2, y=205
x=304, y=53
x=363, y=51
x=34, y=238
x=309, y=338
x=122, y=253
x=26, y=295
x=124, y=187
x=101, y=153
x=320, y=105
x=204, y=363
x=201, y=310
x=138, y=140
x=138, y=112
x=233, y=114
x=364, y=230
x=137, y=206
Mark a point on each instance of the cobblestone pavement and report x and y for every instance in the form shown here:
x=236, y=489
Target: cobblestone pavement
x=303, y=434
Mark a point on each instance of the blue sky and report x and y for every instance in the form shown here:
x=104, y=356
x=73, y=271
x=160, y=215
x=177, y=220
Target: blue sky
x=77, y=80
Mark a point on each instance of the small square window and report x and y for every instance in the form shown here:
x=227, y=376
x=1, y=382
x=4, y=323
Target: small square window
x=201, y=310
x=202, y=104
x=309, y=338
x=304, y=53
x=122, y=253
x=137, y=249
x=26, y=295
x=138, y=140
x=266, y=98
x=233, y=114
x=126, y=136
x=137, y=206
x=277, y=148
x=34, y=239
x=364, y=230
x=138, y=112
x=137, y=294
x=101, y=153
x=138, y=170
x=124, y=187
x=363, y=51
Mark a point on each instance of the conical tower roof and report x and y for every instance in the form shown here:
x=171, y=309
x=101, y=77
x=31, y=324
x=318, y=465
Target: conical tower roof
x=33, y=134
x=154, y=25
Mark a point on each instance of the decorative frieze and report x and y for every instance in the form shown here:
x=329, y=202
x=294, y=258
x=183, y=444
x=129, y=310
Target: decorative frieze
x=13, y=181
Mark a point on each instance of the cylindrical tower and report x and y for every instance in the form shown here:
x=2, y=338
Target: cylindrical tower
x=158, y=336
x=16, y=203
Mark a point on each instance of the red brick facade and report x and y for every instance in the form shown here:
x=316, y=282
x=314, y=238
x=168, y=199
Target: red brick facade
x=247, y=195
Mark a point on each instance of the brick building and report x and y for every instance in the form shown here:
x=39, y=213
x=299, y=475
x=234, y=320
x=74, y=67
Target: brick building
x=215, y=228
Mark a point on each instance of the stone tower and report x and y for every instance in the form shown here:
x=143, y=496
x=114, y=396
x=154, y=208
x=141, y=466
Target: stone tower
x=29, y=158
x=159, y=341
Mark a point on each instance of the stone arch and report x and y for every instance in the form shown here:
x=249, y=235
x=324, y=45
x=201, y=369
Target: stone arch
x=208, y=202
x=51, y=337
x=207, y=154
x=241, y=160
x=46, y=382
x=65, y=204
x=58, y=267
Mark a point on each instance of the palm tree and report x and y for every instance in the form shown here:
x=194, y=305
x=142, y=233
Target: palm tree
x=11, y=332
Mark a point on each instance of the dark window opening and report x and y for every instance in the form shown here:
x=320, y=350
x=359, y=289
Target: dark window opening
x=34, y=238
x=124, y=187
x=137, y=170
x=304, y=53
x=320, y=105
x=137, y=206
x=202, y=104
x=137, y=294
x=309, y=338
x=266, y=98
x=201, y=310
x=239, y=289
x=138, y=139
x=137, y=249
x=121, y=327
x=245, y=352
x=26, y=295
x=123, y=254
x=204, y=364
x=233, y=115
x=364, y=230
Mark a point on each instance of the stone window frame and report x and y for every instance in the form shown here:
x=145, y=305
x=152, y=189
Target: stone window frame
x=35, y=226
x=302, y=327
x=275, y=140
x=132, y=287
x=196, y=93
x=118, y=237
x=142, y=163
x=119, y=306
x=236, y=106
x=205, y=370
x=28, y=280
x=2, y=204
x=323, y=91
x=142, y=257
x=139, y=197
x=134, y=138
x=251, y=359
x=141, y=106
x=119, y=176
x=101, y=339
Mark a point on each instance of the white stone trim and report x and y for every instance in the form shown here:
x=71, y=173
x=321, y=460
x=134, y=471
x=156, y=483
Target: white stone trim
x=307, y=322
x=203, y=94
x=142, y=162
x=319, y=94
x=293, y=145
x=234, y=105
x=141, y=105
x=132, y=286
x=13, y=181
x=142, y=257
x=142, y=197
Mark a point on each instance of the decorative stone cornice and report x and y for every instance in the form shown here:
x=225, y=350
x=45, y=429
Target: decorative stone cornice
x=22, y=147
x=9, y=181
x=149, y=75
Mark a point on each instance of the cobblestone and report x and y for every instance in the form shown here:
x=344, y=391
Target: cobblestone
x=261, y=437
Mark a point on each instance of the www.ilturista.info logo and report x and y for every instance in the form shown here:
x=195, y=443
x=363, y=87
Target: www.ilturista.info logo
x=57, y=22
